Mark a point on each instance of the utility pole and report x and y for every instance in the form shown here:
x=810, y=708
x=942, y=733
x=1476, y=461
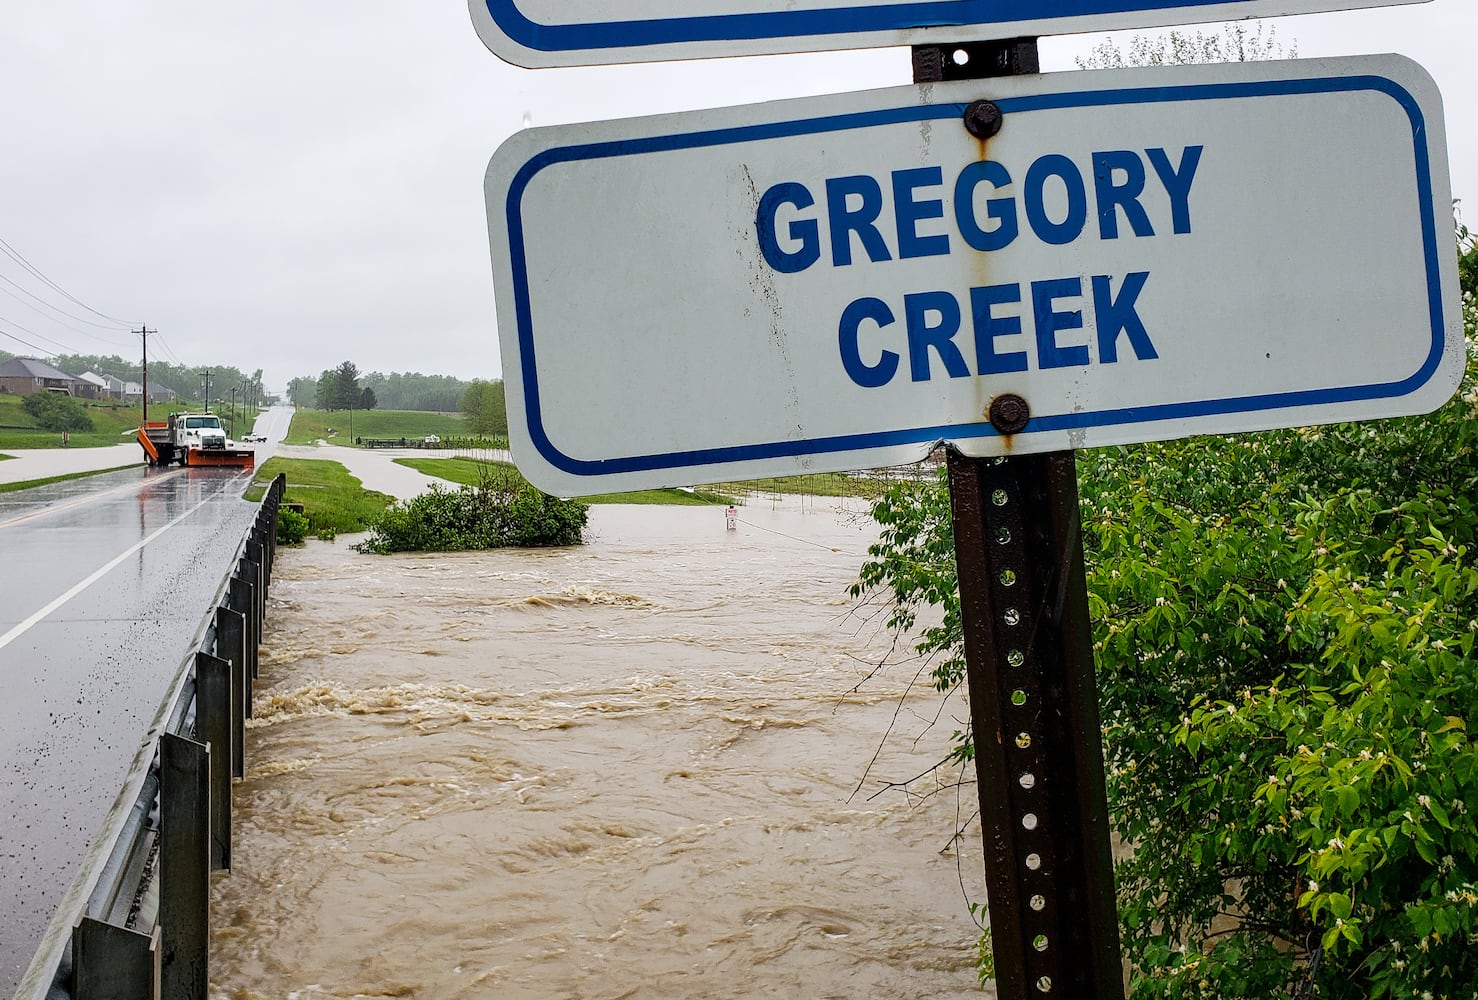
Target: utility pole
x=207, y=390
x=144, y=332
x=233, y=411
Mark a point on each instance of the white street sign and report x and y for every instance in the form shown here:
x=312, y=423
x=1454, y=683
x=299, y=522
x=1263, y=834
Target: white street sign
x=542, y=33
x=842, y=282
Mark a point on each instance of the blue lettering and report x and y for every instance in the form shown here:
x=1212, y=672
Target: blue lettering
x=907, y=212
x=1178, y=182
x=1049, y=321
x=861, y=220
x=1071, y=227
x=1002, y=210
x=1113, y=196
x=1113, y=316
x=867, y=376
x=803, y=230
x=989, y=327
x=940, y=336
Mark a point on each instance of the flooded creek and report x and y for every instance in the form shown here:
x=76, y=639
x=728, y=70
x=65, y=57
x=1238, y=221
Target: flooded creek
x=643, y=767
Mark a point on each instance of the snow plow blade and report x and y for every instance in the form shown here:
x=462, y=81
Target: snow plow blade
x=239, y=458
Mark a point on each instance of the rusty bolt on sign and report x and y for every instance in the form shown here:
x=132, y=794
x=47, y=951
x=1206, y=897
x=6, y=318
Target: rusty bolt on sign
x=1009, y=413
x=982, y=119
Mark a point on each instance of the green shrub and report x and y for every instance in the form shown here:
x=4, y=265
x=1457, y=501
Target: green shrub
x=292, y=527
x=1286, y=635
x=498, y=512
x=55, y=412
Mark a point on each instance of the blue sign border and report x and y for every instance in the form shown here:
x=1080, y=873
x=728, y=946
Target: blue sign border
x=931, y=434
x=810, y=23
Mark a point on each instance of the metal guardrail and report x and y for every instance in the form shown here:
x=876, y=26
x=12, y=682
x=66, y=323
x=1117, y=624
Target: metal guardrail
x=135, y=924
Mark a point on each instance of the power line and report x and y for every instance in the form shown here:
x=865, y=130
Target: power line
x=167, y=349
x=53, y=319
x=48, y=305
x=19, y=340
x=16, y=256
x=26, y=329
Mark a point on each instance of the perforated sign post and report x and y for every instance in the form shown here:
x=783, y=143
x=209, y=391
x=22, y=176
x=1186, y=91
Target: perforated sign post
x=596, y=32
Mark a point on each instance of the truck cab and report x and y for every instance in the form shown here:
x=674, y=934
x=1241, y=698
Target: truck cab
x=202, y=431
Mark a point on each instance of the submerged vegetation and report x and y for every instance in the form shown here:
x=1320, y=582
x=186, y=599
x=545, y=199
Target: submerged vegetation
x=496, y=512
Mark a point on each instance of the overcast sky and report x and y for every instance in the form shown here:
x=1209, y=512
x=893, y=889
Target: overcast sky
x=287, y=185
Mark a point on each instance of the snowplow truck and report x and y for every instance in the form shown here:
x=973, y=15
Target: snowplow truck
x=192, y=439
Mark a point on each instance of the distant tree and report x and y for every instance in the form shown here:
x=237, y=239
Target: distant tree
x=345, y=386
x=367, y=399
x=302, y=391
x=484, y=406
x=1467, y=261
x=323, y=394
x=1240, y=41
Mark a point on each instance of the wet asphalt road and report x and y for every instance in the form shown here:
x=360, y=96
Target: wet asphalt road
x=104, y=583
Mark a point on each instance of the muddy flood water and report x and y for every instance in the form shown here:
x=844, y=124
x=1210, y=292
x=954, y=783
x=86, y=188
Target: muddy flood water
x=643, y=767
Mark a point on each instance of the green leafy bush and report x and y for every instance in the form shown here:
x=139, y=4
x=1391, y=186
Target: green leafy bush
x=55, y=412
x=498, y=512
x=1284, y=628
x=292, y=527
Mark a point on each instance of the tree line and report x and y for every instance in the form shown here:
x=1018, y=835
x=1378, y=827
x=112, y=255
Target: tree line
x=396, y=391
x=186, y=381
x=337, y=388
x=343, y=387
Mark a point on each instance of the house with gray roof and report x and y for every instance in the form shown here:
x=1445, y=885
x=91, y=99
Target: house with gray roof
x=27, y=375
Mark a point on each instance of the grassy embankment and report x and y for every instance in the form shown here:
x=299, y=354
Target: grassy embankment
x=335, y=501
x=831, y=484
x=112, y=423
x=469, y=472
x=332, y=499
x=333, y=425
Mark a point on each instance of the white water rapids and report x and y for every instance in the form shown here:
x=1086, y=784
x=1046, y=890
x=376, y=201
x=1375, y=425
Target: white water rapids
x=643, y=767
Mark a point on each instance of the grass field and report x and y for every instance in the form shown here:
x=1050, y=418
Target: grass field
x=310, y=425
x=333, y=500
x=467, y=471
x=113, y=423
x=817, y=484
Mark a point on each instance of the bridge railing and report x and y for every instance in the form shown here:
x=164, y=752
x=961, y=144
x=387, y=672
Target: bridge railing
x=141, y=931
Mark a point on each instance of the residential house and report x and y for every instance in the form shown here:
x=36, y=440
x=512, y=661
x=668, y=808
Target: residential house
x=27, y=375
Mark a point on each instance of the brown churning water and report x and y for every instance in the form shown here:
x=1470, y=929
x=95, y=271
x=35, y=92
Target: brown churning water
x=621, y=770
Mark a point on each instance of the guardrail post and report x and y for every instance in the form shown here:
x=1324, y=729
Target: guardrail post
x=251, y=570
x=114, y=963
x=231, y=643
x=213, y=726
x=256, y=553
x=184, y=867
x=239, y=598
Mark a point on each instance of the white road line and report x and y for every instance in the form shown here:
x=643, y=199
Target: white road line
x=19, y=630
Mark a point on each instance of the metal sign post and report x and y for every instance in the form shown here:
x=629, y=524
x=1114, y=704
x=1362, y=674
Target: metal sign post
x=1029, y=664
